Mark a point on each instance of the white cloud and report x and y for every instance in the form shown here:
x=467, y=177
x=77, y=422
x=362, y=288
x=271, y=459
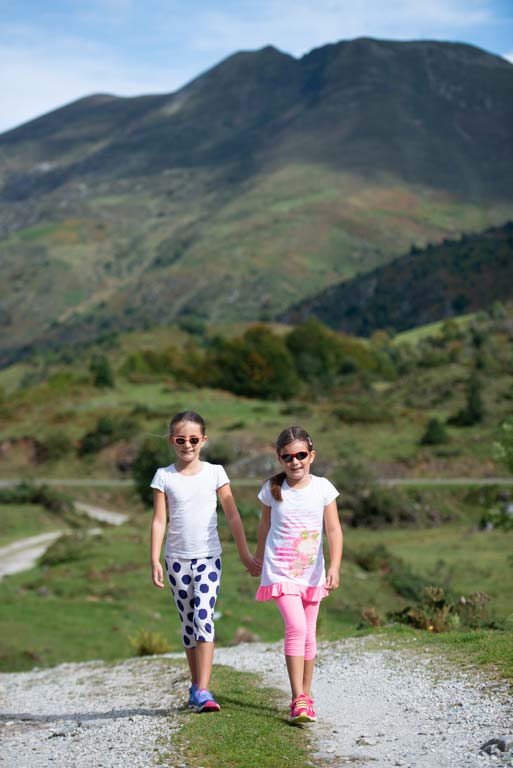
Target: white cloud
x=508, y=56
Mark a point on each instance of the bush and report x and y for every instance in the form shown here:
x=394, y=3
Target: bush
x=147, y=643
x=219, y=452
x=150, y=457
x=473, y=410
x=108, y=430
x=54, y=501
x=101, y=371
x=435, y=433
x=362, y=411
x=438, y=611
x=68, y=549
x=257, y=364
x=55, y=447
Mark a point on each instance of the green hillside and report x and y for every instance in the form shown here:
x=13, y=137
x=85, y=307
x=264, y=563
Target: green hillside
x=426, y=286
x=426, y=407
x=261, y=182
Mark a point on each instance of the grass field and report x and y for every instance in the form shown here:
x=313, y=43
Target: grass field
x=95, y=593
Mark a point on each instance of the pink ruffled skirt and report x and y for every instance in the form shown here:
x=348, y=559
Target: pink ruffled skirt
x=311, y=594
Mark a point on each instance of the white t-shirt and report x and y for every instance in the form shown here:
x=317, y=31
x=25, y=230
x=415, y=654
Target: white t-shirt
x=293, y=548
x=192, y=509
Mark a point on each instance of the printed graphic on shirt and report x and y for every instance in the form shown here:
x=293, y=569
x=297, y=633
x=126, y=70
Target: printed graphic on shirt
x=300, y=553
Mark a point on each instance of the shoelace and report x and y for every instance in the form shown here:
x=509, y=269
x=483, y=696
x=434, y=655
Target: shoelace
x=301, y=702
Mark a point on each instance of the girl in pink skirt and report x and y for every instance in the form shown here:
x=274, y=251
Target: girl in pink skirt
x=296, y=507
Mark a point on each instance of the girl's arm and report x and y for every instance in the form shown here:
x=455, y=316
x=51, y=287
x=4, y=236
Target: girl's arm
x=158, y=531
x=232, y=515
x=335, y=542
x=263, y=530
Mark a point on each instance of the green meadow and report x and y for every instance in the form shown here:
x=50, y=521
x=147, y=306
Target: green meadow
x=91, y=595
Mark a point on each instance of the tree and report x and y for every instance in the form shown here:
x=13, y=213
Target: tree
x=435, y=433
x=317, y=351
x=101, y=371
x=257, y=364
x=473, y=411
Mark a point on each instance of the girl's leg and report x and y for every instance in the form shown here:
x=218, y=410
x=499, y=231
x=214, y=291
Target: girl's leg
x=180, y=577
x=207, y=577
x=311, y=613
x=190, y=654
x=293, y=614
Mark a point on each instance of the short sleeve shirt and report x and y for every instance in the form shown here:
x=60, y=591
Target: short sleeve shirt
x=293, y=549
x=192, y=509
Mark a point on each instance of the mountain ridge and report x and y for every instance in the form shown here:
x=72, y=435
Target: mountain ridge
x=261, y=181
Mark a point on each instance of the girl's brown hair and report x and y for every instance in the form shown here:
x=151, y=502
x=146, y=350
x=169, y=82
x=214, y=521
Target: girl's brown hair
x=187, y=416
x=285, y=437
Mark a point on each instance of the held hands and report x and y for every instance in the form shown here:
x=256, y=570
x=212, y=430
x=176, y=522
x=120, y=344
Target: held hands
x=157, y=574
x=332, y=578
x=253, y=566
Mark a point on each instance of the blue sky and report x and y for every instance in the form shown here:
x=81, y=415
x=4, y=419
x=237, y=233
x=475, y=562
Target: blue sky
x=55, y=51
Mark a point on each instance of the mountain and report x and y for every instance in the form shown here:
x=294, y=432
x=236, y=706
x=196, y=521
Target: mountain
x=264, y=180
x=423, y=287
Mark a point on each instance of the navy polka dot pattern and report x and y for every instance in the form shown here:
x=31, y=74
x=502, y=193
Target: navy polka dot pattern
x=199, y=584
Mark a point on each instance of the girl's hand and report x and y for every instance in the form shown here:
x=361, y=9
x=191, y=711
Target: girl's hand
x=332, y=579
x=253, y=566
x=157, y=575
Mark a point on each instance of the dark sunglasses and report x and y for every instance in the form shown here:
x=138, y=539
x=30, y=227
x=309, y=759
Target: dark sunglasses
x=288, y=457
x=183, y=440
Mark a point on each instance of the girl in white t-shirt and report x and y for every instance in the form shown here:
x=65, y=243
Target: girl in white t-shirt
x=296, y=507
x=186, y=492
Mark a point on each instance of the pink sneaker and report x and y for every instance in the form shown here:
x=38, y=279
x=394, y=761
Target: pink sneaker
x=311, y=714
x=299, y=709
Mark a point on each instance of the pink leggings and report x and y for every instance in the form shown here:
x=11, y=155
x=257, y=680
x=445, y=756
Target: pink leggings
x=300, y=618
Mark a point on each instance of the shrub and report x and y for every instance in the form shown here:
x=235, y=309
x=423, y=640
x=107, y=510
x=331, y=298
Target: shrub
x=473, y=410
x=438, y=611
x=364, y=410
x=371, y=617
x=108, y=430
x=257, y=364
x=101, y=371
x=68, y=549
x=435, y=434
x=376, y=559
x=317, y=352
x=219, y=452
x=150, y=457
x=55, y=447
x=147, y=643
x=54, y=501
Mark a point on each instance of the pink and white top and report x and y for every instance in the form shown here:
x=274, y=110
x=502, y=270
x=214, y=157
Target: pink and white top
x=293, y=556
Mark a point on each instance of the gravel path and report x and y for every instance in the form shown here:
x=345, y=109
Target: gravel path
x=90, y=715
x=24, y=553
x=377, y=707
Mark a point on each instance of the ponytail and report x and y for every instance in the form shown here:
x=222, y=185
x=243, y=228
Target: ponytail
x=275, y=483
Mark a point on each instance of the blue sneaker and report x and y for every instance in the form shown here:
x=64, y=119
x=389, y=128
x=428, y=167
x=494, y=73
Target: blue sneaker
x=203, y=701
x=192, y=693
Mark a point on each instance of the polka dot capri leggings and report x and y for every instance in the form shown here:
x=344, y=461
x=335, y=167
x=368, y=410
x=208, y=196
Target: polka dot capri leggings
x=195, y=585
